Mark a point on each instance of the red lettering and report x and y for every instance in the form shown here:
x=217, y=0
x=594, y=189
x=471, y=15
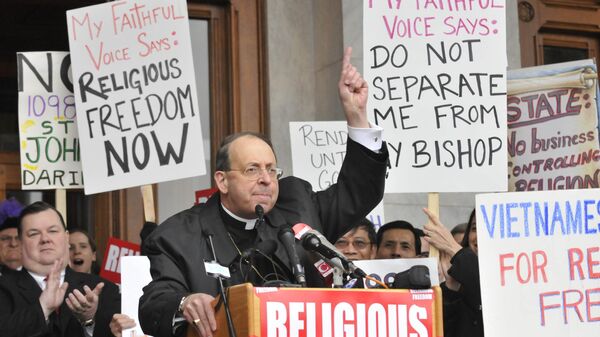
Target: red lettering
x=574, y=305
x=504, y=268
x=519, y=269
x=525, y=267
x=539, y=265
x=590, y=304
x=593, y=262
x=544, y=307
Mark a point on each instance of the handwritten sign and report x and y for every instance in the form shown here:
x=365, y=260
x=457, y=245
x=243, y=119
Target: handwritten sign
x=50, y=153
x=552, y=128
x=436, y=72
x=539, y=252
x=136, y=93
x=318, y=151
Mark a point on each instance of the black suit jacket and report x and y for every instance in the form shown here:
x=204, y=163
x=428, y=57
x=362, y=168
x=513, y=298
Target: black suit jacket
x=462, y=309
x=21, y=314
x=178, y=248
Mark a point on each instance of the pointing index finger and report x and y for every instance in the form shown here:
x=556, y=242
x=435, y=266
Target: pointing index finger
x=347, y=55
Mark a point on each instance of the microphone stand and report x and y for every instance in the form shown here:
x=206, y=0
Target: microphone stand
x=230, y=326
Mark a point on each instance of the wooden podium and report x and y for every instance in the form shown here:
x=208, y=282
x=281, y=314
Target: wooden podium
x=319, y=312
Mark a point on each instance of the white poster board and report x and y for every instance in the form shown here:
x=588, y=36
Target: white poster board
x=50, y=154
x=135, y=275
x=539, y=263
x=318, y=151
x=135, y=92
x=436, y=72
x=552, y=127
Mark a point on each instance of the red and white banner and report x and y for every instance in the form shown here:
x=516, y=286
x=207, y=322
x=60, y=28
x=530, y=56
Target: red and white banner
x=203, y=195
x=318, y=312
x=111, y=267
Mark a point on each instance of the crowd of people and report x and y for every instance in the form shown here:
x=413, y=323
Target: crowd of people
x=49, y=285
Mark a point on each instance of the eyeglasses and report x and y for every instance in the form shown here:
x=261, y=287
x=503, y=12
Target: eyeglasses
x=358, y=244
x=254, y=172
x=6, y=239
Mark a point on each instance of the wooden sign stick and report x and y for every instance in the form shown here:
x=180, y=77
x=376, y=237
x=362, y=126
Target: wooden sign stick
x=60, y=197
x=433, y=204
x=148, y=199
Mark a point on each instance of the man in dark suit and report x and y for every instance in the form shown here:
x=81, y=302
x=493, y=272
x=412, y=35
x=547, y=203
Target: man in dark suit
x=246, y=176
x=33, y=299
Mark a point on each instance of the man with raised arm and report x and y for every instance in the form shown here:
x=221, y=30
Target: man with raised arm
x=247, y=176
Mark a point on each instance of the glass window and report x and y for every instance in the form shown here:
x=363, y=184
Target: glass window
x=555, y=54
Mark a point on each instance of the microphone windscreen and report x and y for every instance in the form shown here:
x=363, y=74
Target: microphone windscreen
x=300, y=229
x=259, y=211
x=283, y=231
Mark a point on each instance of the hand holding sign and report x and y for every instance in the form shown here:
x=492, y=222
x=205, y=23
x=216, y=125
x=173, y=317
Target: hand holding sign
x=439, y=236
x=353, y=93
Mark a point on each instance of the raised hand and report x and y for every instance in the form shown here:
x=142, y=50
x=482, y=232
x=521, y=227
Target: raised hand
x=54, y=293
x=84, y=306
x=353, y=93
x=439, y=236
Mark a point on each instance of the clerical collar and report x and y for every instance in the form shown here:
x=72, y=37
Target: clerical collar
x=250, y=223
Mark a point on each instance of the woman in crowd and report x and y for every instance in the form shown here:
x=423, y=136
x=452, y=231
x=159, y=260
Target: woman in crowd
x=82, y=252
x=461, y=289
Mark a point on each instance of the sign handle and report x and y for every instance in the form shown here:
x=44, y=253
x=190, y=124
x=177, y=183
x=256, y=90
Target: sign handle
x=60, y=197
x=433, y=204
x=148, y=199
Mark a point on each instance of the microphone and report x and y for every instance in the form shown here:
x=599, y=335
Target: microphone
x=314, y=241
x=260, y=214
x=286, y=236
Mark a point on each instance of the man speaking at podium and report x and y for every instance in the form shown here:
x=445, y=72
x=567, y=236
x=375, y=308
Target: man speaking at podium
x=246, y=176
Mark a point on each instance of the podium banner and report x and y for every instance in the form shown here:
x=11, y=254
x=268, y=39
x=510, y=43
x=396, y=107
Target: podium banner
x=318, y=312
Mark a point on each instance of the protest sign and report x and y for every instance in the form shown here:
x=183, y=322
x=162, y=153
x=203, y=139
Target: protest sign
x=201, y=196
x=318, y=151
x=135, y=275
x=436, y=75
x=115, y=249
x=552, y=127
x=539, y=263
x=135, y=93
x=50, y=154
